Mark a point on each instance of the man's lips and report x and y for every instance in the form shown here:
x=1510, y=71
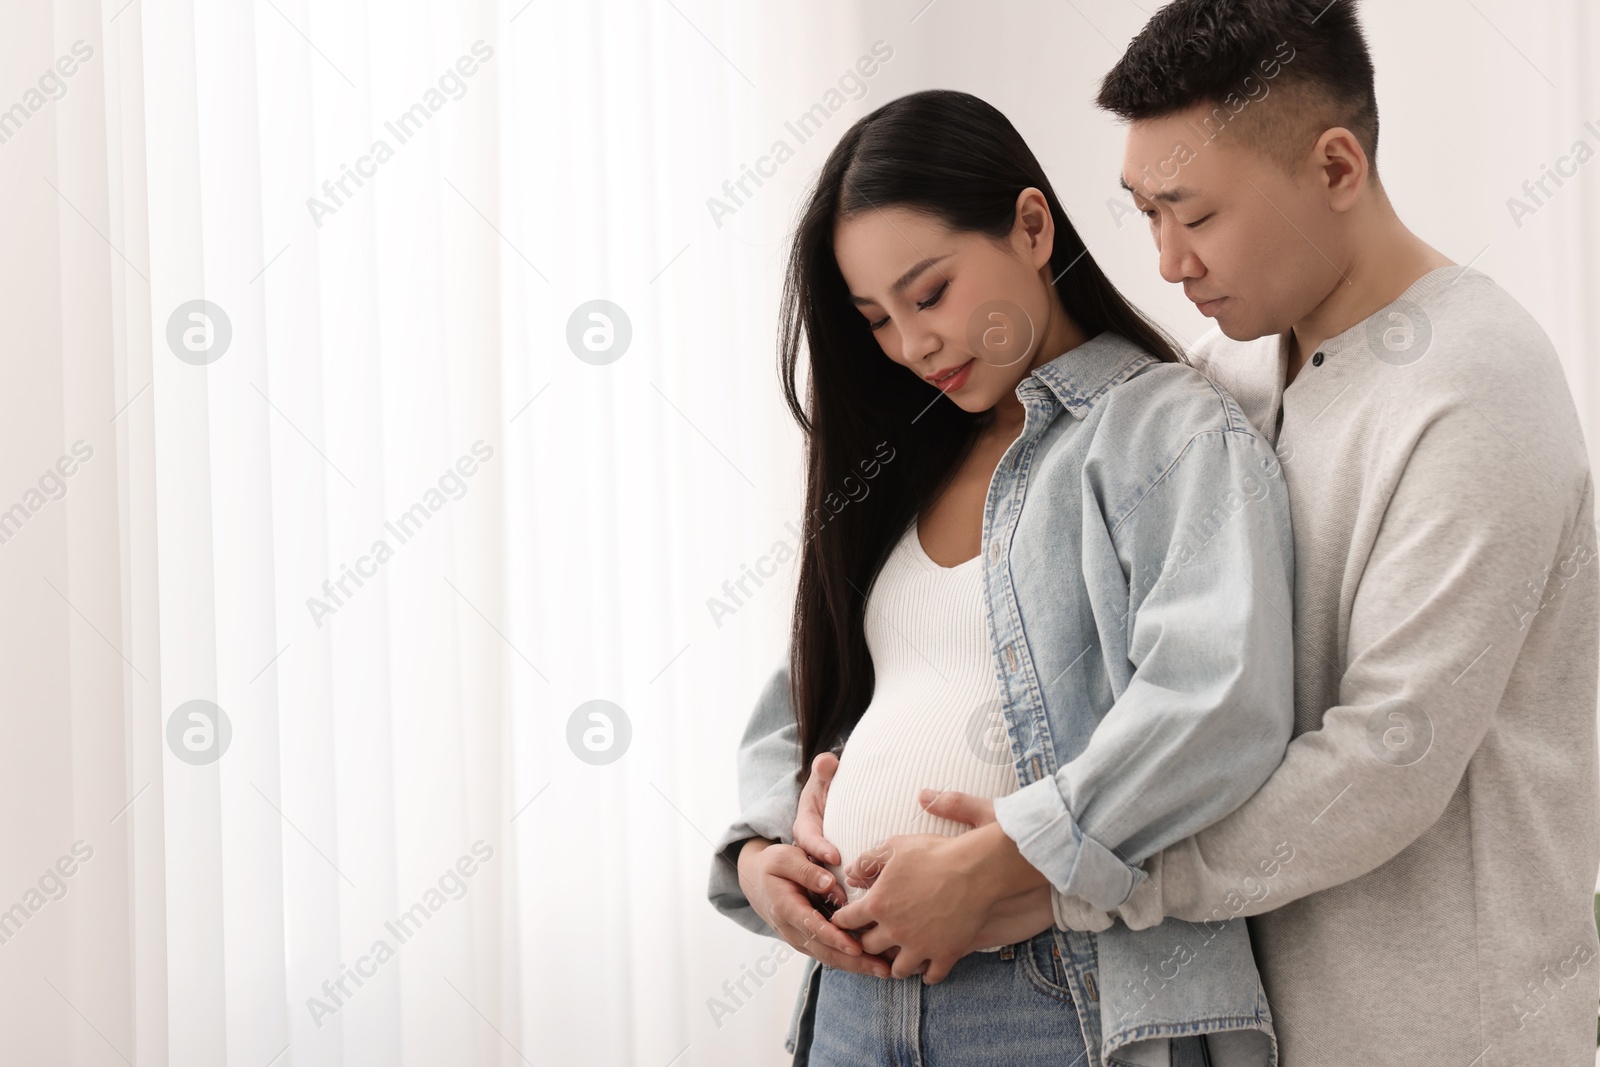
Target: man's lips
x=1208, y=307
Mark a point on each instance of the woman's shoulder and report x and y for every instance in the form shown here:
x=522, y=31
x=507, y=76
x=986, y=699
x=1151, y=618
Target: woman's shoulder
x=1169, y=429
x=1169, y=404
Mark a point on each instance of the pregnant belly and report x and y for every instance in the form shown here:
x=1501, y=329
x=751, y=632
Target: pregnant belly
x=874, y=792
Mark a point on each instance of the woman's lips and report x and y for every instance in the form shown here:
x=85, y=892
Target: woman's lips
x=956, y=380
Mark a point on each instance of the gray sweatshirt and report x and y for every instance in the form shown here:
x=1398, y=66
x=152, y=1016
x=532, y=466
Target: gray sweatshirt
x=1439, y=805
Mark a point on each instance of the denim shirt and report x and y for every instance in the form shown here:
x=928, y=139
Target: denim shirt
x=1137, y=574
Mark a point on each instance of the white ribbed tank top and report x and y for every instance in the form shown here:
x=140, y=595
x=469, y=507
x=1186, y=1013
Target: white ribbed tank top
x=935, y=720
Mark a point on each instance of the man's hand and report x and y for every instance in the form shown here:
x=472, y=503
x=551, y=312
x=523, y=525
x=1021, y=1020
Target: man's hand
x=775, y=879
x=808, y=817
x=945, y=803
x=938, y=898
x=1017, y=918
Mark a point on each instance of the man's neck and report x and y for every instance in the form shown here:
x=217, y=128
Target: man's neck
x=1374, y=278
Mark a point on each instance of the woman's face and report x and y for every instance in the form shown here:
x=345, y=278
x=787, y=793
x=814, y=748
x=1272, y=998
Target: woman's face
x=940, y=301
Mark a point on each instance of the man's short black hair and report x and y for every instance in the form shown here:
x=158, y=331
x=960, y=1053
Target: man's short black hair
x=1309, y=56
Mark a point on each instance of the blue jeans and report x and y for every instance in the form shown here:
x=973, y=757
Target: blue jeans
x=1009, y=1008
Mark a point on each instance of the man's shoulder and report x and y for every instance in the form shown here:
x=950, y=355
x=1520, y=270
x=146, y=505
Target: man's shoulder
x=1248, y=371
x=1460, y=337
x=1482, y=331
x=1213, y=351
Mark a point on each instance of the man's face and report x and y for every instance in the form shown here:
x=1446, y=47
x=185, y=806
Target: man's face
x=1254, y=246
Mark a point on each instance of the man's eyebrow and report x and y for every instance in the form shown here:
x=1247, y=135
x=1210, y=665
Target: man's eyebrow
x=905, y=279
x=1170, y=196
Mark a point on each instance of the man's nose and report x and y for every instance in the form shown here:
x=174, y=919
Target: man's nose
x=1177, y=259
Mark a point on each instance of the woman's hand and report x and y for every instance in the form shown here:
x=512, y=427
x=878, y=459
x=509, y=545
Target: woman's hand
x=776, y=879
x=943, y=897
x=808, y=817
x=1012, y=919
x=925, y=908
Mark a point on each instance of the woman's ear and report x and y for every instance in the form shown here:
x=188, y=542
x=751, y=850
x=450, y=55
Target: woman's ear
x=1035, y=230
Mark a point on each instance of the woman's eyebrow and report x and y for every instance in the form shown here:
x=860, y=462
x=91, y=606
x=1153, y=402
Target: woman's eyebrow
x=905, y=279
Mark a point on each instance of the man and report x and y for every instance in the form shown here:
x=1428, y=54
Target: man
x=1419, y=870
x=1440, y=797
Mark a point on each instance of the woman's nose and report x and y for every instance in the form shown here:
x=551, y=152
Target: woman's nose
x=916, y=347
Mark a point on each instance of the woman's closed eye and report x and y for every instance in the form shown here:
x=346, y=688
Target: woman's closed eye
x=922, y=305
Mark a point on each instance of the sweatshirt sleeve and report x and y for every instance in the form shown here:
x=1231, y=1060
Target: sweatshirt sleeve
x=768, y=759
x=1469, y=542
x=1208, y=709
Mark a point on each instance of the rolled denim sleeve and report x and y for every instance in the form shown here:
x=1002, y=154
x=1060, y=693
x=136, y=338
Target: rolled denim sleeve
x=768, y=759
x=1207, y=711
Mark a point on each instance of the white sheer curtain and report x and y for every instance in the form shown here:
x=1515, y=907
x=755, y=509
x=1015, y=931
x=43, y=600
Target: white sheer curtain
x=185, y=520
x=369, y=502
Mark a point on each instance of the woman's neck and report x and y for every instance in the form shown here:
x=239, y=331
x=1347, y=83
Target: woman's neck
x=1061, y=335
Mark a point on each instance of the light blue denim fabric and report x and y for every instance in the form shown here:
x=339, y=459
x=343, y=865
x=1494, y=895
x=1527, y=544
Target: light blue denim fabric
x=1138, y=573
x=1013, y=1008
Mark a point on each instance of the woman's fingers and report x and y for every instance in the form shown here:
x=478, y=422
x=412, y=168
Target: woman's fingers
x=808, y=930
x=860, y=965
x=792, y=876
x=961, y=807
x=798, y=868
x=867, y=866
x=864, y=877
x=812, y=930
x=813, y=800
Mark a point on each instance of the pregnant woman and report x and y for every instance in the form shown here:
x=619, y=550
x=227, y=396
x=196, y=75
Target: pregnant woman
x=1046, y=563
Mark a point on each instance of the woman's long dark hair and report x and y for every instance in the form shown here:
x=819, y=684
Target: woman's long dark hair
x=878, y=449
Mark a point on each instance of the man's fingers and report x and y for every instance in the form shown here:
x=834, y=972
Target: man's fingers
x=936, y=973
x=876, y=942
x=856, y=914
x=905, y=966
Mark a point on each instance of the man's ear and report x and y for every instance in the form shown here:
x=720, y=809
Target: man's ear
x=1342, y=162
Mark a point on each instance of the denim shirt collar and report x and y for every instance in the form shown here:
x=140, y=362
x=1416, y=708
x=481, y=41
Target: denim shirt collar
x=1080, y=376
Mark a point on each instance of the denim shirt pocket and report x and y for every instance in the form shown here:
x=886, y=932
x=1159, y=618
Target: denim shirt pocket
x=1181, y=979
